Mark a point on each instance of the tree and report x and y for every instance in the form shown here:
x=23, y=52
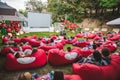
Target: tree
x=23, y=12
x=61, y=8
x=34, y=5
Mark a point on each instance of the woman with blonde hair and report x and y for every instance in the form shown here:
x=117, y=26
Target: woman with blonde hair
x=25, y=76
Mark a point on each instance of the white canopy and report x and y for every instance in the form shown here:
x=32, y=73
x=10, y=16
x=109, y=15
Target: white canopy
x=114, y=22
x=11, y=18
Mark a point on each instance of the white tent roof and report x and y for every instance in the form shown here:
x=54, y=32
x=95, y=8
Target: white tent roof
x=12, y=18
x=114, y=22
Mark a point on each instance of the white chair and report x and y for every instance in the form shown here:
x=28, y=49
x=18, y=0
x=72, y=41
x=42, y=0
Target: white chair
x=86, y=29
x=104, y=29
x=96, y=29
x=116, y=30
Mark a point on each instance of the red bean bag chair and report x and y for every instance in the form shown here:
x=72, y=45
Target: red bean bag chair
x=110, y=36
x=58, y=57
x=5, y=39
x=32, y=37
x=79, y=35
x=87, y=71
x=34, y=42
x=93, y=72
x=26, y=39
x=53, y=37
x=86, y=53
x=72, y=41
x=17, y=40
x=82, y=44
x=44, y=41
x=47, y=48
x=117, y=37
x=112, y=48
x=37, y=59
x=91, y=36
x=97, y=38
x=115, y=61
x=63, y=41
x=6, y=50
x=72, y=77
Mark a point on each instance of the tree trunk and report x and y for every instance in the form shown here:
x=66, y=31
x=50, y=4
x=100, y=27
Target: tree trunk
x=118, y=10
x=90, y=11
x=101, y=11
x=96, y=11
x=113, y=11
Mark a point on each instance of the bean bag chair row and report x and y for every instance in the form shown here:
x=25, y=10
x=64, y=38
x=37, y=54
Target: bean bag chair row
x=97, y=38
x=82, y=44
x=91, y=36
x=26, y=39
x=37, y=59
x=34, y=42
x=80, y=35
x=58, y=57
x=53, y=37
x=111, y=47
x=47, y=48
x=6, y=50
x=68, y=77
x=114, y=38
x=17, y=40
x=72, y=41
x=62, y=41
x=5, y=39
x=93, y=72
x=86, y=53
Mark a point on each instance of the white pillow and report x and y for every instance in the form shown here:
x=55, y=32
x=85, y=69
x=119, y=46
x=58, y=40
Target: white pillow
x=26, y=60
x=71, y=55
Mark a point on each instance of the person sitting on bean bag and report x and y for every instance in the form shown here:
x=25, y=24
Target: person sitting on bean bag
x=94, y=45
x=105, y=52
x=68, y=49
x=26, y=53
x=26, y=76
x=95, y=58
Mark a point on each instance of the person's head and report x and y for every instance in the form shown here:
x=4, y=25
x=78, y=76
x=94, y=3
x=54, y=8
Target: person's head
x=51, y=40
x=15, y=44
x=94, y=46
x=68, y=49
x=97, y=56
x=25, y=76
x=21, y=44
x=105, y=52
x=64, y=37
x=58, y=75
x=104, y=38
x=25, y=36
x=34, y=50
x=18, y=55
x=86, y=39
x=47, y=42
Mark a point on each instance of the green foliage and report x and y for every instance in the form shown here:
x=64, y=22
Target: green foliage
x=38, y=34
x=71, y=8
x=23, y=12
x=108, y=3
x=35, y=5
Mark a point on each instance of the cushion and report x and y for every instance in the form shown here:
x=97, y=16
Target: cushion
x=26, y=60
x=71, y=55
